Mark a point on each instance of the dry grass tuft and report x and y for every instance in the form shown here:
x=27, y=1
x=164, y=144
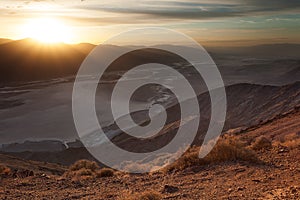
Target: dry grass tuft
x=225, y=150
x=291, y=141
x=84, y=164
x=85, y=169
x=105, y=172
x=4, y=171
x=292, y=144
x=81, y=170
x=261, y=143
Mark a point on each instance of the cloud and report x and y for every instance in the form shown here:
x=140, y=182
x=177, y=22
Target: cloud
x=195, y=9
x=107, y=12
x=152, y=10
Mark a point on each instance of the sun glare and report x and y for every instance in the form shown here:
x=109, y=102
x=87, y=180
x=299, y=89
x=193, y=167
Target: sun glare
x=47, y=30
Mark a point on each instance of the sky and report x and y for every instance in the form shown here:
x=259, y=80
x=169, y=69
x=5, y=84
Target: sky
x=211, y=22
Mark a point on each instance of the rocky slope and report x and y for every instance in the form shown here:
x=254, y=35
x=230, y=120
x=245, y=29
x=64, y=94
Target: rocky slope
x=276, y=177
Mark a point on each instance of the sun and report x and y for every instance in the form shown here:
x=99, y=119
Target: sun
x=47, y=30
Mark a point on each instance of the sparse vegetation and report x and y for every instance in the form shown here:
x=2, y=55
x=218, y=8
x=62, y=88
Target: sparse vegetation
x=261, y=143
x=82, y=169
x=85, y=169
x=224, y=150
x=105, y=172
x=4, y=171
x=84, y=164
x=291, y=141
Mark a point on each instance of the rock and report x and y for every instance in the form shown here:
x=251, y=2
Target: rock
x=293, y=190
x=170, y=189
x=284, y=150
x=45, y=176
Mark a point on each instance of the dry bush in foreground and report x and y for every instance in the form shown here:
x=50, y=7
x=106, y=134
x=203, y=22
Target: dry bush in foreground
x=82, y=169
x=85, y=169
x=291, y=141
x=150, y=195
x=105, y=172
x=225, y=150
x=84, y=164
x=4, y=171
x=261, y=143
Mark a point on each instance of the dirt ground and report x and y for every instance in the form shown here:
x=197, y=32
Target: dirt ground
x=278, y=177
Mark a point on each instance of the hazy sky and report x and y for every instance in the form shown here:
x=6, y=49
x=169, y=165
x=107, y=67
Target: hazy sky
x=213, y=22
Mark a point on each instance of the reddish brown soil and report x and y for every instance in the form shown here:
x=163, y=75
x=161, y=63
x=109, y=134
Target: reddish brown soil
x=277, y=178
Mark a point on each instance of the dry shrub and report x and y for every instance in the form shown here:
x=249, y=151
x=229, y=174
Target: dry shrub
x=84, y=164
x=291, y=141
x=85, y=169
x=150, y=195
x=82, y=174
x=82, y=169
x=225, y=150
x=230, y=150
x=105, y=172
x=261, y=143
x=4, y=171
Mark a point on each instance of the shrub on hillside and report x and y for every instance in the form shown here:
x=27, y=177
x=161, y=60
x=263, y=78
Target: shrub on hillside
x=4, y=171
x=225, y=150
x=261, y=143
x=291, y=141
x=295, y=143
x=85, y=169
x=82, y=169
x=105, y=172
x=84, y=164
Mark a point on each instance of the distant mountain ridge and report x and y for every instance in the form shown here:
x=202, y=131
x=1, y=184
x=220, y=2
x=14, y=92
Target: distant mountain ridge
x=3, y=41
x=27, y=60
x=282, y=50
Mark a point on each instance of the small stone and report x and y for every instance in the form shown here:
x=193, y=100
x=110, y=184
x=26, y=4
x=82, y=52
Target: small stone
x=293, y=190
x=45, y=176
x=283, y=149
x=170, y=189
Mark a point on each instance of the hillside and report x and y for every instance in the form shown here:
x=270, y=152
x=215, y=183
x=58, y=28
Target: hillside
x=276, y=176
x=21, y=165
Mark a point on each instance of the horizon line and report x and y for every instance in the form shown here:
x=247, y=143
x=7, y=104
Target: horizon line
x=8, y=40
